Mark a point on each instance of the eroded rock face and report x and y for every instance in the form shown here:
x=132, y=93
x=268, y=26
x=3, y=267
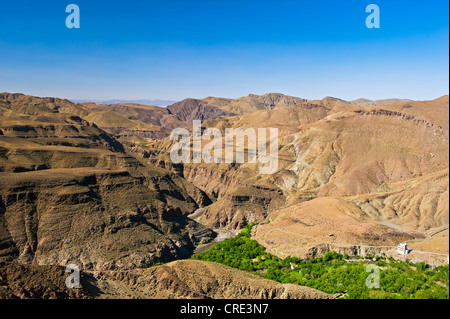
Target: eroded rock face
x=96, y=219
x=235, y=200
x=242, y=206
x=192, y=109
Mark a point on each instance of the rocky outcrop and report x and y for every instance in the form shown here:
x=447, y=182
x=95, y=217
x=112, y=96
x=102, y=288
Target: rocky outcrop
x=400, y=115
x=334, y=99
x=253, y=102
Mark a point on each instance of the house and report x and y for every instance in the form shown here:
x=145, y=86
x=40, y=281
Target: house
x=402, y=249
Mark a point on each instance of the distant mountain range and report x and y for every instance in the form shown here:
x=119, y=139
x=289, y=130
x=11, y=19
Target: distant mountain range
x=280, y=99
x=366, y=102
x=156, y=102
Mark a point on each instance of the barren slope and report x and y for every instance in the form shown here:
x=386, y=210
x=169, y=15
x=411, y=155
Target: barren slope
x=195, y=279
x=313, y=228
x=70, y=193
x=387, y=166
x=36, y=282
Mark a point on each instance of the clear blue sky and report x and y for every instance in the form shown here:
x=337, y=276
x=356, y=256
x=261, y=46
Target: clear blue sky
x=173, y=49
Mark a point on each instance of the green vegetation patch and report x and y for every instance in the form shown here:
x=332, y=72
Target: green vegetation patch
x=333, y=273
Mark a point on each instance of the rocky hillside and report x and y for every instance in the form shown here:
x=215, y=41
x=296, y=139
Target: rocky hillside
x=252, y=102
x=32, y=105
x=194, y=279
x=70, y=193
x=192, y=109
x=84, y=184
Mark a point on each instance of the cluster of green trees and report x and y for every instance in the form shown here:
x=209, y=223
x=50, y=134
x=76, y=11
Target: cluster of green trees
x=332, y=273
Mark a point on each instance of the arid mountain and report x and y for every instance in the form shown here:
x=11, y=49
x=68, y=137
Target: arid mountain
x=413, y=210
x=70, y=193
x=134, y=120
x=157, y=102
x=27, y=104
x=212, y=107
x=385, y=168
x=334, y=99
x=192, y=109
x=129, y=119
x=85, y=184
x=366, y=102
x=360, y=151
x=253, y=103
x=223, y=181
x=194, y=280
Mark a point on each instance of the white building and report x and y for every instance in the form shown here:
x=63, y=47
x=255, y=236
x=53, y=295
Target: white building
x=402, y=249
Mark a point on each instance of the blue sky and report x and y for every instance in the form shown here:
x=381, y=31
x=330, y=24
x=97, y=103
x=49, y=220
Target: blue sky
x=173, y=49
